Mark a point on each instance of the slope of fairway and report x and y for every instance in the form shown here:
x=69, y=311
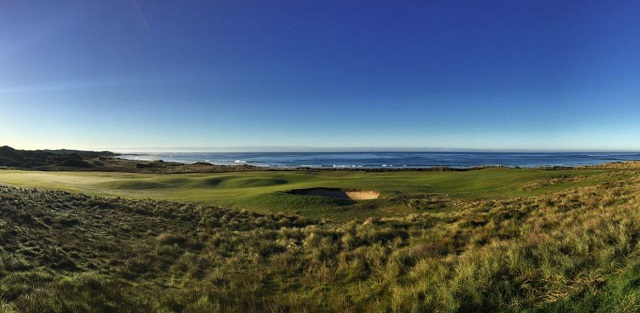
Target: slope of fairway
x=400, y=192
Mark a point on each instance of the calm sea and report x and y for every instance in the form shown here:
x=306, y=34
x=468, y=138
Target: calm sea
x=390, y=159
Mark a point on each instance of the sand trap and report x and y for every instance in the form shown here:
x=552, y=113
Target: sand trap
x=338, y=193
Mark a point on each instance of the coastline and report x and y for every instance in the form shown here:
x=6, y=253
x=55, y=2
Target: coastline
x=173, y=163
x=389, y=160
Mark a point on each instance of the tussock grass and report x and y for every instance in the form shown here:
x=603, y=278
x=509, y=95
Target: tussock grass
x=553, y=244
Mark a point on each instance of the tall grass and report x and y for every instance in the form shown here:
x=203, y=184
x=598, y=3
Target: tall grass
x=572, y=250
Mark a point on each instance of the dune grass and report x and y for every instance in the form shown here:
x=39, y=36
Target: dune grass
x=512, y=241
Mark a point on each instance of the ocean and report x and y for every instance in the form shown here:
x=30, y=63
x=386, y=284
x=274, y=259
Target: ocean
x=389, y=159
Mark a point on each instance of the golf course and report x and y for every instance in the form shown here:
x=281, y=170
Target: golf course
x=319, y=156
x=396, y=193
x=482, y=240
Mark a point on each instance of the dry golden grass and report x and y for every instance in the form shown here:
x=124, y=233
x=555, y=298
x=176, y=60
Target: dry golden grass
x=560, y=251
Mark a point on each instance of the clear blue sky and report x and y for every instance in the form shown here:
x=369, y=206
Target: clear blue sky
x=534, y=75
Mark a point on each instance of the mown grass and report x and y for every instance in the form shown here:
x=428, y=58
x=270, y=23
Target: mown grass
x=265, y=191
x=513, y=241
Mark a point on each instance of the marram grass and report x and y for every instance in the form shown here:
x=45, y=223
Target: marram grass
x=552, y=244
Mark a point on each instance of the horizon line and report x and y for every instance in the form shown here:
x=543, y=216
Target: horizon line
x=301, y=149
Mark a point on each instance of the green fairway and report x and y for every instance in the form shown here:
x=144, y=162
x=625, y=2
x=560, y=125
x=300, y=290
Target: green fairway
x=268, y=190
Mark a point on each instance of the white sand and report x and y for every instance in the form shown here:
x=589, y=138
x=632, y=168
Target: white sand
x=363, y=195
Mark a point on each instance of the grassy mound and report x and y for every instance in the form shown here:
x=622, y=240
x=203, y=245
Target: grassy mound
x=140, y=184
x=254, y=182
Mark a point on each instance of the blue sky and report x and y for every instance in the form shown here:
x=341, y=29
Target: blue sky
x=512, y=75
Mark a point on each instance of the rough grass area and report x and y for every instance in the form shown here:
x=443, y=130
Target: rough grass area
x=549, y=249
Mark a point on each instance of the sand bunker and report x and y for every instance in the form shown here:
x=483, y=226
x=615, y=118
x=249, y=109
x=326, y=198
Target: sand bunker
x=338, y=193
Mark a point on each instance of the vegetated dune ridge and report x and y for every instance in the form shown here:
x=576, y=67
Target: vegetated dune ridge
x=104, y=161
x=574, y=250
